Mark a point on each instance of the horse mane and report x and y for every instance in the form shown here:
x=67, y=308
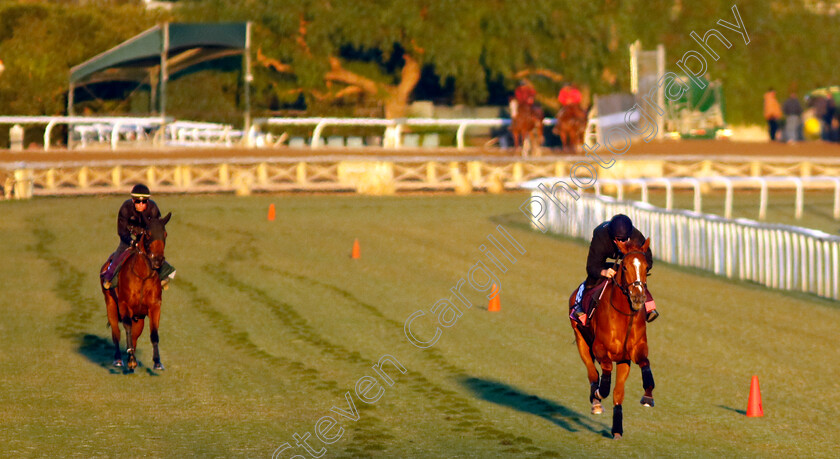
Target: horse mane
x=632, y=244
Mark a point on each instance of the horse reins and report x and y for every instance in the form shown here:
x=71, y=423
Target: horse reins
x=141, y=249
x=625, y=289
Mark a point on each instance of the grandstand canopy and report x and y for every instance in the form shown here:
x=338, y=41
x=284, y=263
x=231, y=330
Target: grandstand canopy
x=165, y=49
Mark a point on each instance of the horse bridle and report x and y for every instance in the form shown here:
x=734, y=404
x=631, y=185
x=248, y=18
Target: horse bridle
x=140, y=246
x=625, y=289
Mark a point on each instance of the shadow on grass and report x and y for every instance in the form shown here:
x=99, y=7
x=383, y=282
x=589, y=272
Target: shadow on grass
x=100, y=351
x=744, y=412
x=505, y=395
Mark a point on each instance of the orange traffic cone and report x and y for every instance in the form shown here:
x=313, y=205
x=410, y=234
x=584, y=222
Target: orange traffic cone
x=754, y=409
x=356, y=252
x=271, y=212
x=495, y=304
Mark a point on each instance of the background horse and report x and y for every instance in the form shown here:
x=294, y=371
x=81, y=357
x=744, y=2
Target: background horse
x=527, y=129
x=617, y=333
x=571, y=126
x=138, y=292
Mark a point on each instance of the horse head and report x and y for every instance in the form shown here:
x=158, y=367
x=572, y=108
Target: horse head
x=632, y=273
x=154, y=239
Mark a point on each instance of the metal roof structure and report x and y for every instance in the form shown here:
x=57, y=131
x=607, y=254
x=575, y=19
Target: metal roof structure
x=166, y=49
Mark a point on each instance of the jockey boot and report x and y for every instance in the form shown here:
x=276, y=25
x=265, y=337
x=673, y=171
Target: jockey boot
x=166, y=273
x=108, y=274
x=652, y=315
x=578, y=315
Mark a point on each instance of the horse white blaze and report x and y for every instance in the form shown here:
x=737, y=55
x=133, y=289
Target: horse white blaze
x=638, y=264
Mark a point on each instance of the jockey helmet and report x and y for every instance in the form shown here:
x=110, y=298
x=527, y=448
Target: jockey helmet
x=620, y=227
x=140, y=192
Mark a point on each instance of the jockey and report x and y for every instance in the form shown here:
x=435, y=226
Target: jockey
x=602, y=247
x=129, y=221
x=525, y=94
x=569, y=95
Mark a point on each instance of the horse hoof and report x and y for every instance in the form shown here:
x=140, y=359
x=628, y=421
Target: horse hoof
x=616, y=436
x=118, y=363
x=597, y=408
x=646, y=401
x=158, y=366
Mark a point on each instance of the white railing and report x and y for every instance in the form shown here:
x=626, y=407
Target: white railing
x=116, y=125
x=108, y=129
x=200, y=134
x=778, y=256
x=729, y=184
x=393, y=127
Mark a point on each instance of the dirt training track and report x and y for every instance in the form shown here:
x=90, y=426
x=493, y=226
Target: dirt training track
x=707, y=148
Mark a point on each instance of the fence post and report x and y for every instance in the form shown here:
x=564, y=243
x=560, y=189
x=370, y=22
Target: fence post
x=23, y=183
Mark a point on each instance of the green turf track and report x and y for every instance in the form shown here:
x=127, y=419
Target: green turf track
x=268, y=324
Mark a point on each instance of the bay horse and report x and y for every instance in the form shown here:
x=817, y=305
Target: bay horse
x=527, y=127
x=571, y=127
x=617, y=333
x=138, y=291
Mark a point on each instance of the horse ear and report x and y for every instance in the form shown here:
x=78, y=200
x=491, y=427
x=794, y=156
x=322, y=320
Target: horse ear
x=622, y=246
x=646, y=245
x=165, y=219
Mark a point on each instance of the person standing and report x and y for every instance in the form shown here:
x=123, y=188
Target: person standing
x=819, y=103
x=792, y=110
x=772, y=112
x=828, y=118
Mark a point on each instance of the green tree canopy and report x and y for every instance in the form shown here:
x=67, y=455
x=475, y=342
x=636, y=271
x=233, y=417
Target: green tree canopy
x=343, y=56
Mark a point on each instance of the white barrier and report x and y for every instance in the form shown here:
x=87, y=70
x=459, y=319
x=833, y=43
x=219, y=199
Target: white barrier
x=777, y=256
x=114, y=124
x=393, y=127
x=729, y=184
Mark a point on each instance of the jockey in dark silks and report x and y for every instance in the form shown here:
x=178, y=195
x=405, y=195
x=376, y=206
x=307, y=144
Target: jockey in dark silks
x=603, y=247
x=131, y=220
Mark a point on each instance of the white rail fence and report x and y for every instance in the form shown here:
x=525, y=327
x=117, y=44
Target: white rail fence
x=111, y=131
x=393, y=134
x=106, y=130
x=729, y=184
x=778, y=256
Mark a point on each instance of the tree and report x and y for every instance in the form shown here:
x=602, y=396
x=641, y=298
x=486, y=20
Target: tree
x=39, y=42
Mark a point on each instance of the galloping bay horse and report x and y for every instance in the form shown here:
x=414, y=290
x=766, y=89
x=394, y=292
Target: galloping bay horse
x=617, y=333
x=527, y=128
x=137, y=292
x=571, y=126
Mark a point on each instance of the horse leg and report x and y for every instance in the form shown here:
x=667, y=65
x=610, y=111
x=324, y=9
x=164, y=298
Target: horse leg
x=606, y=379
x=154, y=315
x=538, y=141
x=132, y=361
x=114, y=321
x=591, y=371
x=136, y=331
x=647, y=382
x=618, y=398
